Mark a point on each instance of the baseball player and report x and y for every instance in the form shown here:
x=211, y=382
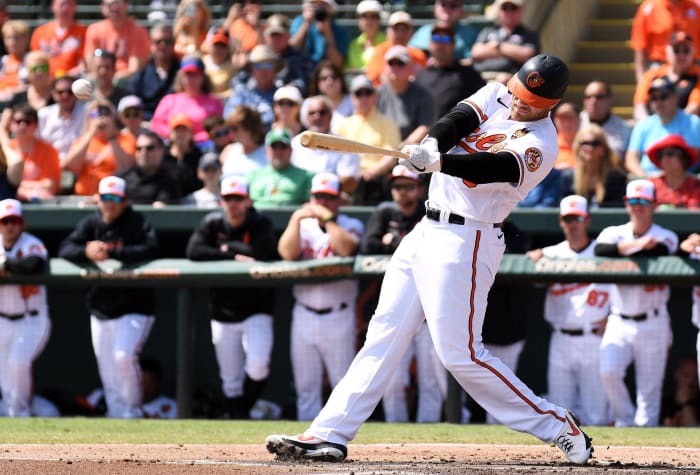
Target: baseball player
x=577, y=313
x=639, y=327
x=691, y=246
x=241, y=318
x=120, y=317
x=24, y=313
x=502, y=143
x=323, y=317
x=386, y=227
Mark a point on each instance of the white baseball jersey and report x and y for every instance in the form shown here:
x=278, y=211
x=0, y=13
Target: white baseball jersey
x=696, y=299
x=575, y=305
x=315, y=244
x=18, y=299
x=533, y=143
x=636, y=299
x=320, y=161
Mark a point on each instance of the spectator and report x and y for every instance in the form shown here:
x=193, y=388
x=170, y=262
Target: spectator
x=247, y=152
x=316, y=113
x=638, y=329
x=4, y=17
x=653, y=25
x=192, y=96
x=369, y=17
x=298, y=67
x=220, y=134
x=244, y=24
x=120, y=34
x=149, y=182
x=597, y=174
x=102, y=150
x=566, y=120
x=668, y=118
x=155, y=404
x=181, y=158
x=11, y=168
x=241, y=318
x=155, y=80
x=370, y=126
x=15, y=34
x=41, y=176
x=398, y=32
x=578, y=314
x=279, y=182
x=680, y=69
x=256, y=86
x=192, y=21
x=120, y=317
x=316, y=32
x=38, y=91
x=675, y=187
x=130, y=110
x=328, y=80
x=209, y=173
x=24, y=321
x=217, y=62
x=62, y=38
x=448, y=13
x=102, y=67
x=500, y=50
x=407, y=104
x=62, y=123
x=597, y=109
x=317, y=230
x=447, y=80
x=286, y=105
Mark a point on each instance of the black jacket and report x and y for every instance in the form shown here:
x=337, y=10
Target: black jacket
x=254, y=238
x=387, y=218
x=133, y=240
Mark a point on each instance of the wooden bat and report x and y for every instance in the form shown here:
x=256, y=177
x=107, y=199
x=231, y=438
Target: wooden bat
x=339, y=144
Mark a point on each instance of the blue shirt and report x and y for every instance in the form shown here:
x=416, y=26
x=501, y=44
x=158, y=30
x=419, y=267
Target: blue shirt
x=244, y=92
x=465, y=36
x=315, y=43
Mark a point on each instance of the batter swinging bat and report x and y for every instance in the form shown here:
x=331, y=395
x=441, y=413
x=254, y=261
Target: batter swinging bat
x=339, y=144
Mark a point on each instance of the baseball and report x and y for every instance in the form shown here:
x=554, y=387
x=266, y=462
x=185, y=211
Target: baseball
x=83, y=89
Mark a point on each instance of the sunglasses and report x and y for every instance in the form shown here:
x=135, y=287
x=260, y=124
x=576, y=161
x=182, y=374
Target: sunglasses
x=11, y=220
x=264, y=66
x=279, y=146
x=132, y=113
x=285, y=103
x=221, y=133
x=681, y=50
x=320, y=112
x=61, y=92
x=509, y=7
x=670, y=152
x=23, y=121
x=229, y=198
x=331, y=77
x=323, y=196
x=147, y=148
x=102, y=53
x=40, y=68
x=451, y=6
x=592, y=143
x=370, y=16
x=638, y=201
x=363, y=93
x=598, y=97
x=162, y=41
x=395, y=63
x=573, y=218
x=404, y=187
x=660, y=97
x=445, y=39
x=110, y=198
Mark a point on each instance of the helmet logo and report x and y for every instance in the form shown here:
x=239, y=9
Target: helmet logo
x=534, y=80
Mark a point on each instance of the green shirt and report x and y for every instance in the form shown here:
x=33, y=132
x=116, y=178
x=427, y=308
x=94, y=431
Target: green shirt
x=270, y=187
x=358, y=55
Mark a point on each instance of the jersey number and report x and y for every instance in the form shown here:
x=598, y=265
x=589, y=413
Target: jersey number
x=653, y=288
x=597, y=298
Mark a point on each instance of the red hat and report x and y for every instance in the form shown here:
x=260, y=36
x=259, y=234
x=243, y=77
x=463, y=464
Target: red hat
x=675, y=141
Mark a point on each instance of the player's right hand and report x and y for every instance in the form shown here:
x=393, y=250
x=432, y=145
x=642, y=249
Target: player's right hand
x=421, y=159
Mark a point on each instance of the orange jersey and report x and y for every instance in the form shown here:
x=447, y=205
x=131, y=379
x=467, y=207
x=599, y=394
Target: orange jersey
x=641, y=93
x=376, y=63
x=127, y=41
x=40, y=163
x=100, y=162
x=9, y=74
x=656, y=20
x=246, y=35
x=65, y=48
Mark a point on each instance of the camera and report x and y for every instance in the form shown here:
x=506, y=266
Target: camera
x=320, y=14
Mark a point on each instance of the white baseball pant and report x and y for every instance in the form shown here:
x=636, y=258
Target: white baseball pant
x=509, y=355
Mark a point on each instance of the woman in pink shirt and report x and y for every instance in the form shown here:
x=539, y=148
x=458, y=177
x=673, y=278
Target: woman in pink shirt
x=192, y=97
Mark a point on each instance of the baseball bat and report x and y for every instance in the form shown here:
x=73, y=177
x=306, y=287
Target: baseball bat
x=339, y=144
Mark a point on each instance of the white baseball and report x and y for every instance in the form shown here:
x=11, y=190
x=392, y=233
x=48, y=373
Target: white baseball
x=83, y=89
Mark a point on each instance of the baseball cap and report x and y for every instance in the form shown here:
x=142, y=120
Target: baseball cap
x=330, y=3
x=399, y=52
x=573, y=204
x=112, y=185
x=400, y=171
x=261, y=54
x=679, y=38
x=400, y=17
x=128, y=102
x=219, y=35
x=234, y=185
x=361, y=82
x=277, y=23
x=640, y=189
x=192, y=64
x=180, y=119
x=499, y=3
x=368, y=6
x=325, y=183
x=288, y=92
x=672, y=141
x=209, y=160
x=10, y=207
x=278, y=135
x=662, y=84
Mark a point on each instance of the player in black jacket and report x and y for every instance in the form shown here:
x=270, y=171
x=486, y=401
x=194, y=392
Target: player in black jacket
x=120, y=317
x=241, y=318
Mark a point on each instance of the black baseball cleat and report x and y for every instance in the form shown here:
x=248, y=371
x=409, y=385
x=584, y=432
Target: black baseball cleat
x=575, y=444
x=303, y=447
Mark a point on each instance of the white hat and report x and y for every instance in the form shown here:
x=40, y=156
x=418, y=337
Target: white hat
x=499, y=3
x=234, y=185
x=367, y=6
x=330, y=3
x=127, y=102
x=325, y=183
x=10, y=207
x=573, y=204
x=361, y=82
x=640, y=189
x=400, y=17
x=401, y=171
x=288, y=92
x=399, y=52
x=112, y=185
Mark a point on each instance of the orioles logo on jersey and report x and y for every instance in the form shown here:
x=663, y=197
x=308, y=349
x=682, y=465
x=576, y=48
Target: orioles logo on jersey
x=533, y=159
x=534, y=80
x=520, y=133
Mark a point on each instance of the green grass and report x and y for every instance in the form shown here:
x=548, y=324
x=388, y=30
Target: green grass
x=116, y=431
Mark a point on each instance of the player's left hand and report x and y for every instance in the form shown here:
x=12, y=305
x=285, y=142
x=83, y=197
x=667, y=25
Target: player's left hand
x=421, y=160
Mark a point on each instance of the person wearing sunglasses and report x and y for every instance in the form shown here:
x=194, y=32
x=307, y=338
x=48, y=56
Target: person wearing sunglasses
x=286, y=104
x=220, y=134
x=679, y=68
x=577, y=313
x=241, y=318
x=24, y=314
x=38, y=91
x=598, y=101
x=62, y=38
x=668, y=118
x=639, y=328
x=130, y=111
x=329, y=81
x=121, y=318
x=675, y=187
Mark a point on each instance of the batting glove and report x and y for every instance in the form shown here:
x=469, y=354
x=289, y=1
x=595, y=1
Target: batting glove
x=420, y=159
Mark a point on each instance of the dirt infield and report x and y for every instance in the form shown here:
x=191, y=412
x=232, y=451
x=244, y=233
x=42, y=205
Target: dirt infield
x=409, y=459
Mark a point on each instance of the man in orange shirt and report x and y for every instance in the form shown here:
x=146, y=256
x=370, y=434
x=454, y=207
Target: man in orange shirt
x=653, y=24
x=244, y=24
x=62, y=38
x=120, y=35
